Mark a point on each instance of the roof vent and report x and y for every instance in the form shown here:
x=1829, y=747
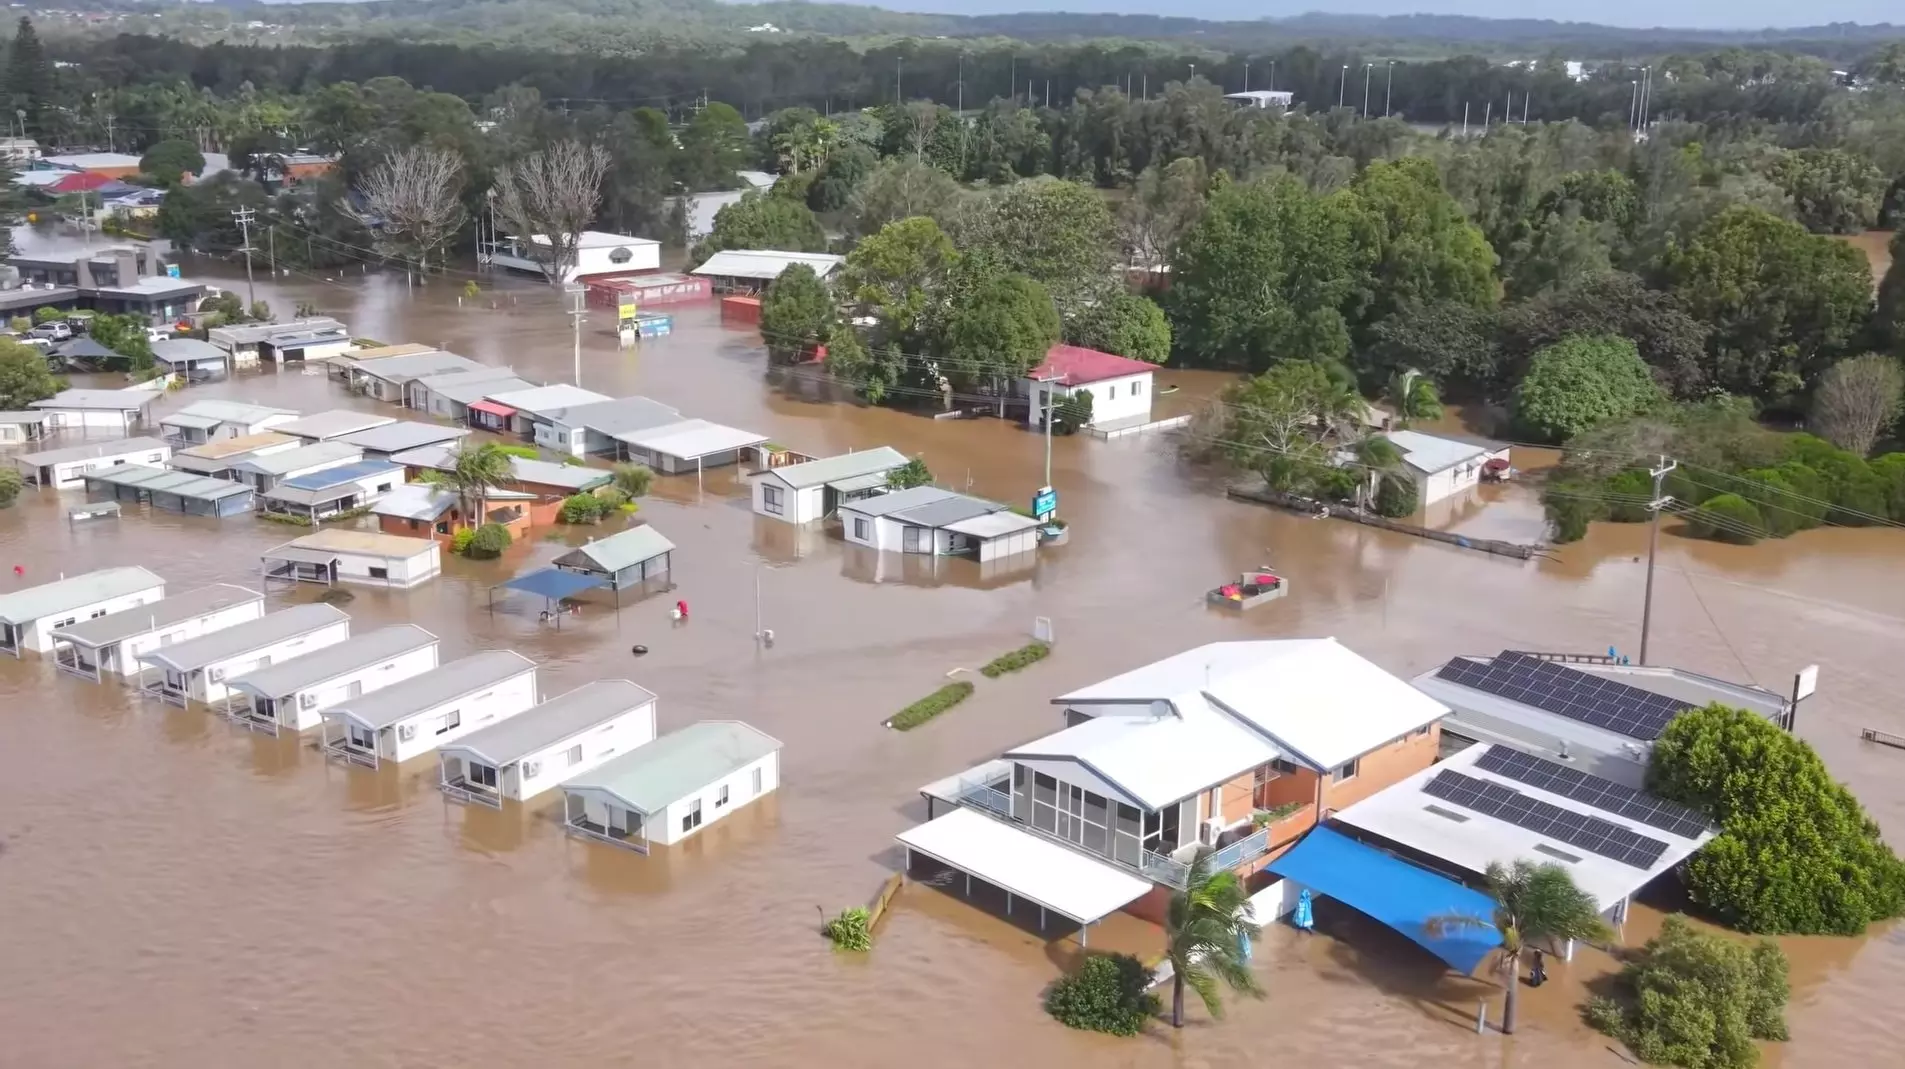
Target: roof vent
x=1564, y=754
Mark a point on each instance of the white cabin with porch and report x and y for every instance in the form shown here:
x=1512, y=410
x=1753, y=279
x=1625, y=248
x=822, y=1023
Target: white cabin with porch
x=96, y=410
x=209, y=421
x=930, y=521
x=198, y=670
x=111, y=644
x=803, y=493
x=564, y=737
x=414, y=717
x=264, y=471
x=368, y=558
x=670, y=789
x=66, y=469
x=293, y=696
x=28, y=618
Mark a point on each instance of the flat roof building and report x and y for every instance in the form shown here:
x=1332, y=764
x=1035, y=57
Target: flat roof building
x=381, y=442
x=171, y=491
x=336, y=423
x=363, y=557
x=199, y=669
x=293, y=696
x=204, y=421
x=111, y=644
x=29, y=617
x=221, y=457
x=66, y=468
x=116, y=410
x=433, y=709
x=936, y=522
x=670, y=789
x=802, y=493
x=567, y=736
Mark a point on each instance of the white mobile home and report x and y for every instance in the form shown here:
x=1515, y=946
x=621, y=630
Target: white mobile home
x=220, y=459
x=198, y=669
x=96, y=410
x=29, y=617
x=335, y=423
x=65, y=469
x=206, y=421
x=111, y=644
x=365, y=557
x=563, y=737
x=293, y=696
x=592, y=429
x=596, y=252
x=22, y=426
x=802, y=493
x=389, y=378
x=432, y=392
x=1441, y=466
x=434, y=709
x=688, y=445
x=295, y=341
x=266, y=471
x=528, y=412
x=671, y=788
x=928, y=520
x=379, y=443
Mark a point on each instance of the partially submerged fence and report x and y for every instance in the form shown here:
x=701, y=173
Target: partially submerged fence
x=1267, y=496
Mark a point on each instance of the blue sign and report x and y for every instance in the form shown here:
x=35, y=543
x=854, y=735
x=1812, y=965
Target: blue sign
x=1044, y=502
x=171, y=270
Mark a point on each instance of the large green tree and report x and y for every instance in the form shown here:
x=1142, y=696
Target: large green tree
x=1278, y=424
x=1834, y=191
x=1205, y=927
x=1164, y=203
x=24, y=376
x=1888, y=318
x=1421, y=247
x=714, y=145
x=168, y=162
x=29, y=79
x=1781, y=303
x=1264, y=276
x=901, y=189
x=1535, y=906
x=896, y=274
x=1696, y=999
x=1796, y=852
x=1668, y=338
x=762, y=222
x=1059, y=234
x=797, y=313
x=998, y=335
x=1579, y=382
x=1125, y=324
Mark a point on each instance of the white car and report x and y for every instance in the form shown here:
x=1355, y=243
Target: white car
x=155, y=334
x=54, y=331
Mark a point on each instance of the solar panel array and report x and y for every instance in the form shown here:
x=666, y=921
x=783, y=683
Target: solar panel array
x=1592, y=834
x=1600, y=793
x=1569, y=692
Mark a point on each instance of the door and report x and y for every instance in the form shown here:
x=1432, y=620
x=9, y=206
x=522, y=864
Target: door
x=910, y=539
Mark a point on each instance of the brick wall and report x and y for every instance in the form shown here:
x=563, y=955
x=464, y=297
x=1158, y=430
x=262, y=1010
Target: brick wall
x=1385, y=767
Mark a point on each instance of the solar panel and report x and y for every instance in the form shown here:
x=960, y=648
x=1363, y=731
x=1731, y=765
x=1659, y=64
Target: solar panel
x=1592, y=834
x=1556, y=688
x=1600, y=793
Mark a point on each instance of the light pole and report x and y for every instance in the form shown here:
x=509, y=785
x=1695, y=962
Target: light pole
x=1389, y=89
x=1246, y=76
x=1273, y=76
x=1660, y=501
x=1367, y=68
x=1342, y=85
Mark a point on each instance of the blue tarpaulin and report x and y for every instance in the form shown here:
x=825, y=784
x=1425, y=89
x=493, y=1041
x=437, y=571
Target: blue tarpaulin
x=554, y=583
x=1403, y=896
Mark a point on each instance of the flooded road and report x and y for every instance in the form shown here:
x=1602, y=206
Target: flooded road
x=174, y=892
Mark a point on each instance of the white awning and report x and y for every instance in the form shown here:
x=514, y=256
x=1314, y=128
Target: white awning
x=1041, y=872
x=691, y=439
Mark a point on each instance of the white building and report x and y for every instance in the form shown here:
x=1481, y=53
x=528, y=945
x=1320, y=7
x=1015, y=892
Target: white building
x=64, y=469
x=29, y=617
x=266, y=470
x=188, y=360
x=1278, y=99
x=368, y=558
x=1120, y=387
x=198, y=669
x=596, y=253
x=1442, y=467
x=936, y=522
x=688, y=445
x=528, y=413
x=293, y=696
x=596, y=427
x=205, y=421
x=750, y=270
x=448, y=395
x=295, y=341
x=221, y=459
x=564, y=737
x=111, y=644
x=381, y=443
x=322, y=494
x=802, y=493
x=22, y=427
x=416, y=716
x=336, y=423
x=673, y=787
x=101, y=410
x=388, y=378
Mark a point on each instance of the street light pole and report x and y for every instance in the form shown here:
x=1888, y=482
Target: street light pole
x=1389, y=90
x=1246, y=76
x=1342, y=85
x=1659, y=502
x=1367, y=68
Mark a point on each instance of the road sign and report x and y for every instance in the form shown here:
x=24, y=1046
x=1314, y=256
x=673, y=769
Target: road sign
x=1044, y=502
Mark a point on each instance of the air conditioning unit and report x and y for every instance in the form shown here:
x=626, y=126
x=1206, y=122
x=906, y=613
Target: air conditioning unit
x=1208, y=831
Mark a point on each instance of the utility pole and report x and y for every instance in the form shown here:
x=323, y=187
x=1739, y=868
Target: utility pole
x=1273, y=76
x=271, y=242
x=576, y=312
x=245, y=218
x=1246, y=76
x=1389, y=90
x=1659, y=502
x=1633, y=107
x=1367, y=68
x=899, y=72
x=962, y=86
x=1342, y=85
x=1465, y=120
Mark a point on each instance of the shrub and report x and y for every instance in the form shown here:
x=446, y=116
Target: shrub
x=46, y=315
x=1568, y=515
x=489, y=541
x=1727, y=518
x=1073, y=412
x=633, y=479
x=1396, y=497
x=582, y=508
x=1625, y=486
x=290, y=518
x=10, y=486
x=931, y=706
x=1697, y=1000
x=1796, y=852
x=1110, y=993
x=1769, y=492
x=21, y=324
x=460, y=541
x=1029, y=654
x=1890, y=470
x=526, y=452
x=1579, y=382
x=611, y=497
x=910, y=474
x=849, y=930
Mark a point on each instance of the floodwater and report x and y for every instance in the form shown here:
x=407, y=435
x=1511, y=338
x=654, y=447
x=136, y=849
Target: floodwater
x=175, y=892
x=1876, y=245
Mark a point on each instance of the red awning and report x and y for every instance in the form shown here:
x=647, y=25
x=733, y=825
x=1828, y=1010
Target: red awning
x=493, y=409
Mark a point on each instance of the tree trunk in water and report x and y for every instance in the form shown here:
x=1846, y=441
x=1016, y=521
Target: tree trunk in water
x=1177, y=999
x=1510, y=997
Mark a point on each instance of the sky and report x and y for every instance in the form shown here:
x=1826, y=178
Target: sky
x=1701, y=14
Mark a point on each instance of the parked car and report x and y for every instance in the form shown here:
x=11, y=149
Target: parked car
x=158, y=334
x=57, y=330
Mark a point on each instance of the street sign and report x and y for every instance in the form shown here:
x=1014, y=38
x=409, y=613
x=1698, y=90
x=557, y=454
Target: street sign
x=1805, y=682
x=1044, y=502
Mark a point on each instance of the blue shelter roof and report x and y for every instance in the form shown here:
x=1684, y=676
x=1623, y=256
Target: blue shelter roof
x=554, y=583
x=1401, y=895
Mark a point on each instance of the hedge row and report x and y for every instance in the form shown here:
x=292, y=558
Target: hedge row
x=1025, y=656
x=931, y=706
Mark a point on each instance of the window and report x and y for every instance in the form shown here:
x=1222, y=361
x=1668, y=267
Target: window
x=97, y=615
x=532, y=769
x=1111, y=393
x=1288, y=768
x=757, y=781
x=771, y=499
x=416, y=525
x=364, y=738
x=482, y=775
x=1137, y=387
x=379, y=573
x=383, y=488
x=862, y=530
x=721, y=796
x=442, y=527
x=1345, y=772
x=574, y=756
x=692, y=818
x=451, y=720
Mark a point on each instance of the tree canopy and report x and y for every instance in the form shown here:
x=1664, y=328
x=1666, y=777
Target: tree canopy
x=1694, y=999
x=797, y=313
x=24, y=377
x=757, y=221
x=1581, y=381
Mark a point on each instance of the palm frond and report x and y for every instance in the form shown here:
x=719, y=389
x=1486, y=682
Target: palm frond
x=1205, y=984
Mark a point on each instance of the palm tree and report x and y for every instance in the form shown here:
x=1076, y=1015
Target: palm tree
x=476, y=472
x=1535, y=905
x=1414, y=397
x=1380, y=460
x=1204, y=930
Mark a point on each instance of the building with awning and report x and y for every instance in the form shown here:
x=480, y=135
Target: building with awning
x=171, y=491
x=687, y=445
x=812, y=490
x=490, y=415
x=626, y=560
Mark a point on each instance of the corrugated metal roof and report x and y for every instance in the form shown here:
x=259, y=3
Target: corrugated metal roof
x=616, y=416
x=120, y=626
x=93, y=451
x=99, y=400
x=192, y=351
x=619, y=550
x=352, y=654
x=169, y=481
x=401, y=701
x=401, y=435
x=415, y=501
x=360, y=543
x=944, y=511
x=765, y=264
x=690, y=439
x=224, y=449
x=309, y=456
x=554, y=721
x=253, y=333
x=268, y=630
x=74, y=592
x=845, y=466
x=570, y=477
x=547, y=399
x=678, y=764
x=904, y=500
x=1429, y=453
x=22, y=417
x=473, y=386
x=333, y=424
x=402, y=369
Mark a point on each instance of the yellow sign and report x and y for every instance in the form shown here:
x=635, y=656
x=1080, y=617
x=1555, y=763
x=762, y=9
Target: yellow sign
x=626, y=307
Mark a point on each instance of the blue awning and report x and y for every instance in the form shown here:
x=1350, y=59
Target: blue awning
x=1403, y=896
x=554, y=583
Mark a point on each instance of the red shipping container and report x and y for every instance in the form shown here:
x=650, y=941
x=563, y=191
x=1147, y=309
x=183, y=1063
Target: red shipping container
x=741, y=310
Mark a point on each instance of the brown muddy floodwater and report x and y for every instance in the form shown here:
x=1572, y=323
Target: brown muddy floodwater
x=177, y=893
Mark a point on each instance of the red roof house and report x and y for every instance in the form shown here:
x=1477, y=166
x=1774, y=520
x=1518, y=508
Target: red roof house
x=1120, y=387
x=80, y=182
x=1075, y=365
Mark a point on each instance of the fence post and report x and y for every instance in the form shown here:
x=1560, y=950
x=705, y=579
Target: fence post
x=1481, y=1016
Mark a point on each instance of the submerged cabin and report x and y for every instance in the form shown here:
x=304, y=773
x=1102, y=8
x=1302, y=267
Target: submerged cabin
x=624, y=560
x=671, y=788
x=111, y=644
x=688, y=445
x=936, y=522
x=529, y=413
x=29, y=617
x=322, y=494
x=65, y=469
x=380, y=443
x=448, y=394
x=190, y=360
x=293, y=696
x=207, y=421
x=563, y=737
x=802, y=493
x=268, y=470
x=220, y=459
x=291, y=342
x=172, y=491
x=97, y=410
x=198, y=669
x=365, y=557
x=388, y=378
x=592, y=428
x=22, y=426
x=335, y=423
x=438, y=707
